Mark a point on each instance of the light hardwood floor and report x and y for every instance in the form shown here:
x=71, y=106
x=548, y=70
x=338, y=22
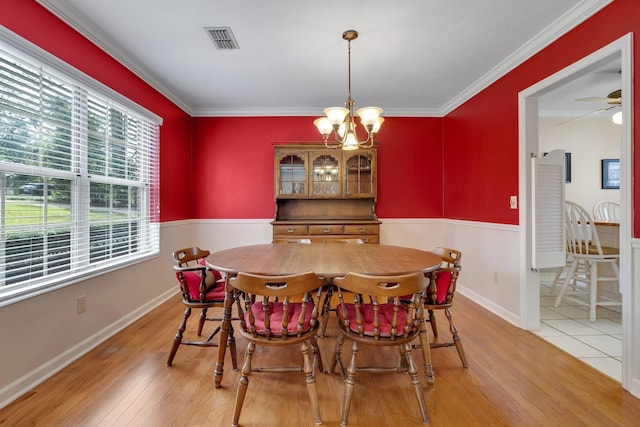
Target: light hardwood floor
x=514, y=378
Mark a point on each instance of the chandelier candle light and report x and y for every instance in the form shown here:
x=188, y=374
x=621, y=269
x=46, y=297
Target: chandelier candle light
x=341, y=121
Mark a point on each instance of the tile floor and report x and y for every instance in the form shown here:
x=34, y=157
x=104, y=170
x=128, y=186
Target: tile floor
x=568, y=327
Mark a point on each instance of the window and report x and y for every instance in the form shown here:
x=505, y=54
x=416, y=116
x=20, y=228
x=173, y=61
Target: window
x=78, y=177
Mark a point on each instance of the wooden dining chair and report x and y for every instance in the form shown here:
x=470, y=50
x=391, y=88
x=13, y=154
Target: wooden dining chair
x=373, y=313
x=439, y=296
x=201, y=288
x=279, y=311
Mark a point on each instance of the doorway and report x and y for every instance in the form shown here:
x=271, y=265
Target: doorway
x=620, y=50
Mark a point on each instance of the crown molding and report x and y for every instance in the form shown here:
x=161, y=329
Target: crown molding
x=69, y=16
x=310, y=112
x=560, y=26
x=551, y=33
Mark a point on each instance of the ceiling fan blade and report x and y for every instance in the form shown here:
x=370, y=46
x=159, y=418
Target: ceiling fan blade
x=585, y=115
x=594, y=99
x=614, y=97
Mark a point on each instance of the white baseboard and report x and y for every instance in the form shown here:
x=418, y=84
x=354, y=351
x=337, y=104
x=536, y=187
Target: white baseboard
x=12, y=391
x=510, y=317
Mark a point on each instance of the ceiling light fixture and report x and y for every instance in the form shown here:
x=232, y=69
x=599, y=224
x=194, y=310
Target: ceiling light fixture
x=617, y=118
x=341, y=121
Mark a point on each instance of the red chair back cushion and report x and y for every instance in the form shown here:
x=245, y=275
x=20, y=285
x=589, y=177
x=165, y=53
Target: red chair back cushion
x=214, y=282
x=443, y=280
x=385, y=316
x=276, y=309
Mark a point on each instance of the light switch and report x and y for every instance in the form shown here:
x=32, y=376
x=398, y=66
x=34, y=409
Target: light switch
x=513, y=202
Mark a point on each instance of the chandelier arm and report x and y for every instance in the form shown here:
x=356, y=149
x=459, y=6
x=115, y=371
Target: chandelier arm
x=365, y=145
x=326, y=144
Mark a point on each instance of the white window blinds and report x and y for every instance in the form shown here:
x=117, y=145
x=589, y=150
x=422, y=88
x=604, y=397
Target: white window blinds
x=78, y=179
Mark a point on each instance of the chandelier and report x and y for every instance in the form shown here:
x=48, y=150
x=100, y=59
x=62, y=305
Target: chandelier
x=341, y=121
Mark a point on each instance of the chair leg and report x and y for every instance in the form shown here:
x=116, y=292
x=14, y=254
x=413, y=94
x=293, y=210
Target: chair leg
x=434, y=326
x=426, y=354
x=568, y=278
x=226, y=336
x=326, y=308
x=317, y=358
x=456, y=338
x=243, y=384
x=556, y=279
x=336, y=356
x=231, y=343
x=311, y=381
x=415, y=381
x=349, y=382
x=203, y=318
x=178, y=339
x=593, y=291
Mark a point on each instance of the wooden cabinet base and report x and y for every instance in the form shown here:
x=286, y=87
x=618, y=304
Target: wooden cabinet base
x=319, y=232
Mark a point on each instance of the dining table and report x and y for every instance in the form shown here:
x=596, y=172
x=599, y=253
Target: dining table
x=327, y=260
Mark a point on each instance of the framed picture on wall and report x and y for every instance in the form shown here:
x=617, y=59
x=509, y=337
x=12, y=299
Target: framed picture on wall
x=567, y=167
x=610, y=174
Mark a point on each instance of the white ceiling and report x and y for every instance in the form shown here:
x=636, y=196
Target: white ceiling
x=412, y=58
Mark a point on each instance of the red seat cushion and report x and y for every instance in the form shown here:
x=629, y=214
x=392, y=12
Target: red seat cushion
x=214, y=282
x=385, y=316
x=276, y=309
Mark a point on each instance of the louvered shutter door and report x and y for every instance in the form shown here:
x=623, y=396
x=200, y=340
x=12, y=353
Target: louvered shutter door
x=548, y=196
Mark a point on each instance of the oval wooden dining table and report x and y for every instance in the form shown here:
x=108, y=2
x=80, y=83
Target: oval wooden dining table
x=327, y=260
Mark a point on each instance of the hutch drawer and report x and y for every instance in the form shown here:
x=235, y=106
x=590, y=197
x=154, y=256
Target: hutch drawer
x=326, y=229
x=291, y=230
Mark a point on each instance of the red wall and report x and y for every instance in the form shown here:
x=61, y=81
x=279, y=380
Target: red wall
x=234, y=165
x=464, y=166
x=34, y=23
x=481, y=136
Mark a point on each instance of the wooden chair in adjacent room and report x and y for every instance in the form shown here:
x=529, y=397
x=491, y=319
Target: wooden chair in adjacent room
x=386, y=319
x=583, y=244
x=201, y=288
x=279, y=311
x=606, y=211
x=439, y=296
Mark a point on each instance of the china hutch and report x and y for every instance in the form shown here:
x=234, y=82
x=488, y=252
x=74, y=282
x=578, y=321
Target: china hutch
x=323, y=193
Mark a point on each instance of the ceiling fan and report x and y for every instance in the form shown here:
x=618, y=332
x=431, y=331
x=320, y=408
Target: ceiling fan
x=614, y=99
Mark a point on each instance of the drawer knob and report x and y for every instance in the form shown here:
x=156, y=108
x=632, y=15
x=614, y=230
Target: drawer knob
x=326, y=230
x=291, y=230
x=362, y=229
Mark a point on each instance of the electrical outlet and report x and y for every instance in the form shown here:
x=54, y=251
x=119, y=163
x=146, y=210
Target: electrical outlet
x=495, y=277
x=81, y=304
x=513, y=202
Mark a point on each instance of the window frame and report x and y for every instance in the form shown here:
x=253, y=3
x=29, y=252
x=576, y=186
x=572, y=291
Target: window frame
x=148, y=200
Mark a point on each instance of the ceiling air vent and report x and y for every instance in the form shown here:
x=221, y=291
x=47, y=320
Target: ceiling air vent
x=222, y=37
